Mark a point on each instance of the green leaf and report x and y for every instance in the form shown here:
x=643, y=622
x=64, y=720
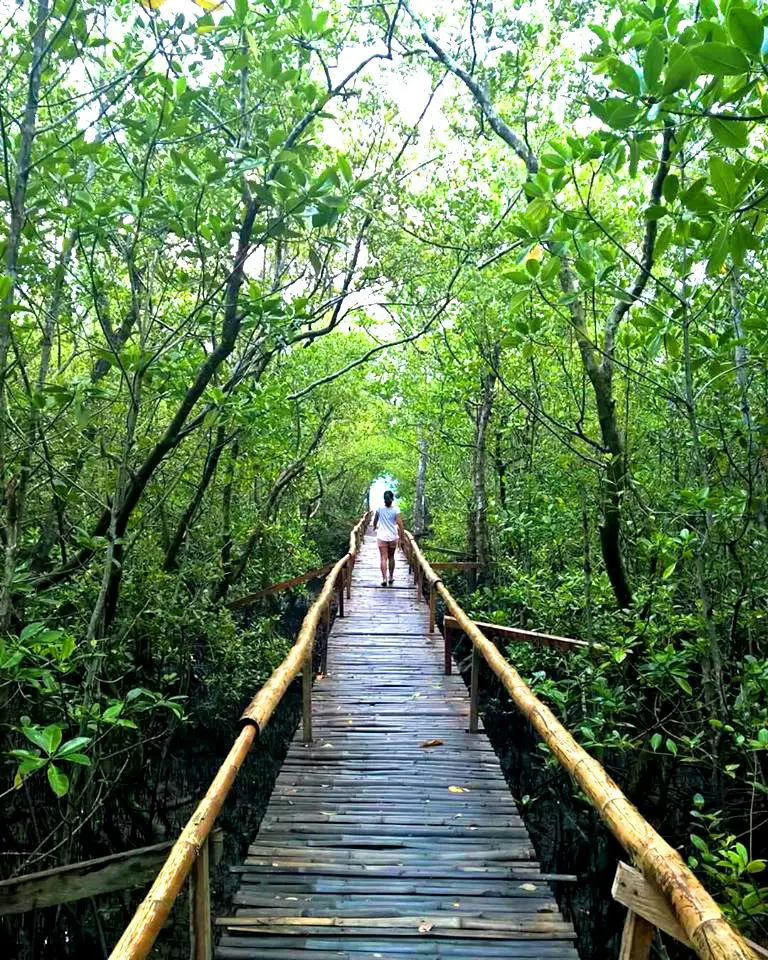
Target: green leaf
x=699, y=843
x=720, y=250
x=79, y=758
x=729, y=133
x=680, y=74
x=671, y=187
x=756, y=866
x=668, y=571
x=722, y=176
x=653, y=63
x=671, y=746
x=73, y=746
x=746, y=30
x=719, y=59
x=241, y=10
x=620, y=114
x=656, y=741
x=305, y=17
x=58, y=780
x=625, y=78
x=47, y=739
x=684, y=685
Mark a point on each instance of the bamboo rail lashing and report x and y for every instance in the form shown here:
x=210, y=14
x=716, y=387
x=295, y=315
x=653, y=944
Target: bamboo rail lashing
x=708, y=932
x=140, y=934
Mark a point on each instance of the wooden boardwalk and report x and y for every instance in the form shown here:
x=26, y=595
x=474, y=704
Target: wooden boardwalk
x=377, y=844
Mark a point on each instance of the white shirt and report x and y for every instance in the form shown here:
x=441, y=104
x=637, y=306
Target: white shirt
x=387, y=525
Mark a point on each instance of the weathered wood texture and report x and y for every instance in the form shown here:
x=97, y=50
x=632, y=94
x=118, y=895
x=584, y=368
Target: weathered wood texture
x=392, y=834
x=91, y=878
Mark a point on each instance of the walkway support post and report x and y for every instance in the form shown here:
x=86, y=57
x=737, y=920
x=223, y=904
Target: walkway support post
x=474, y=688
x=306, y=697
x=636, y=938
x=201, y=939
x=340, y=593
x=432, y=606
x=447, y=654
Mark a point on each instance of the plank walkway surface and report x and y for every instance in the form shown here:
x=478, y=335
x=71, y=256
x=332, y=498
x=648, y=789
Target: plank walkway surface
x=375, y=845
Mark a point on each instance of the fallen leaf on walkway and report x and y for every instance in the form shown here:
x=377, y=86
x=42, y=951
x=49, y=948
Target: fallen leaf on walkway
x=432, y=743
x=530, y=887
x=457, y=790
x=425, y=927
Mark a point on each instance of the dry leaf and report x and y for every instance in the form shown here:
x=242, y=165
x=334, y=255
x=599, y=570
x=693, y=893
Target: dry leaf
x=432, y=743
x=530, y=887
x=457, y=790
x=425, y=927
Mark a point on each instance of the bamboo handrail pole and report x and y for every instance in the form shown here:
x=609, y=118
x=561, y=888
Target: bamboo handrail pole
x=140, y=934
x=712, y=937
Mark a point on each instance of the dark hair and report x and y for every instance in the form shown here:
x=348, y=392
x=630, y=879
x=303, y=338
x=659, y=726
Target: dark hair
x=388, y=497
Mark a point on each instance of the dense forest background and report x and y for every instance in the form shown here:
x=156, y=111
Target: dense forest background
x=255, y=254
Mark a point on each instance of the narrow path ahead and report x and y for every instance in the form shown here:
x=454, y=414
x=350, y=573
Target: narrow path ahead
x=377, y=844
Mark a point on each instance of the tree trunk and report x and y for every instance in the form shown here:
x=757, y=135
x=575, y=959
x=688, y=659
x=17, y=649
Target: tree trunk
x=15, y=487
x=209, y=470
x=479, y=539
x=741, y=358
x=420, y=501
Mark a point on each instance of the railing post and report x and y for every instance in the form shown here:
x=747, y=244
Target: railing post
x=340, y=593
x=306, y=697
x=474, y=685
x=448, y=657
x=432, y=606
x=636, y=938
x=201, y=947
x=348, y=576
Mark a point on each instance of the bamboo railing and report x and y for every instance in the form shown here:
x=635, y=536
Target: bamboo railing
x=706, y=929
x=189, y=853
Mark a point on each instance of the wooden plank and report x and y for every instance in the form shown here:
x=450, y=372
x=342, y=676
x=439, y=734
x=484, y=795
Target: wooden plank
x=90, y=878
x=201, y=946
x=394, y=833
x=637, y=938
x=633, y=891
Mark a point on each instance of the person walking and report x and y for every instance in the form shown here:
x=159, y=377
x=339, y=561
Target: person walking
x=388, y=526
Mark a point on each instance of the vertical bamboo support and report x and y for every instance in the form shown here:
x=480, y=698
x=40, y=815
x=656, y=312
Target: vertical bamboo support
x=432, y=606
x=474, y=686
x=340, y=595
x=201, y=947
x=448, y=664
x=636, y=938
x=306, y=696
